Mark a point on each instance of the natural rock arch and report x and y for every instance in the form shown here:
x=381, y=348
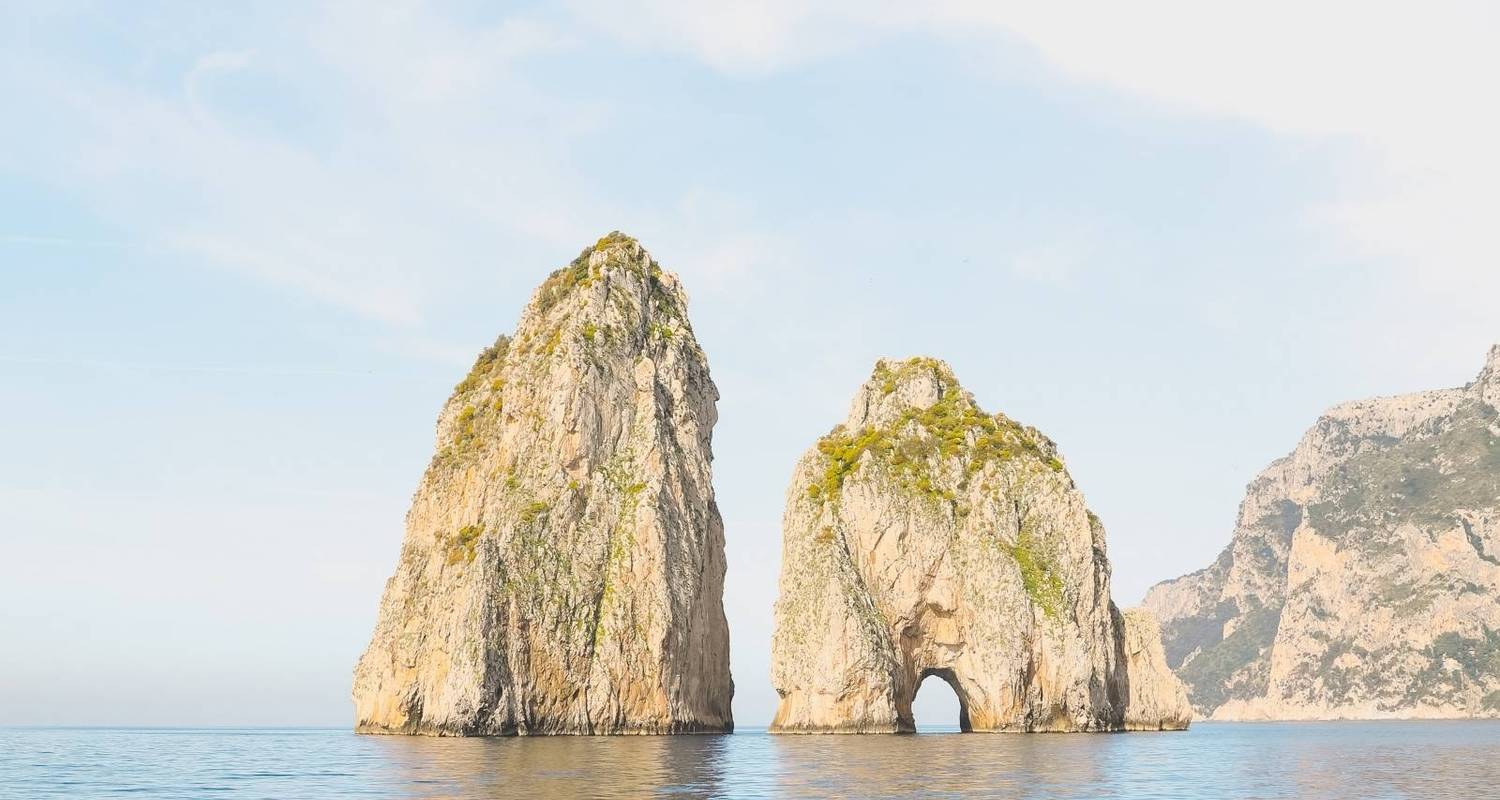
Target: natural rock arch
x=926, y=537
x=948, y=677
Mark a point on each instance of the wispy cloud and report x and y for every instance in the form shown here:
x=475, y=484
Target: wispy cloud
x=1399, y=91
x=415, y=144
x=218, y=369
x=59, y=241
x=202, y=72
x=436, y=131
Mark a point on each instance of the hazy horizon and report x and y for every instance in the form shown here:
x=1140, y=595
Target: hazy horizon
x=248, y=255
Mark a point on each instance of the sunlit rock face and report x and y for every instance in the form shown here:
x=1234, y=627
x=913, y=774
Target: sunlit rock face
x=926, y=537
x=1363, y=576
x=1155, y=700
x=563, y=566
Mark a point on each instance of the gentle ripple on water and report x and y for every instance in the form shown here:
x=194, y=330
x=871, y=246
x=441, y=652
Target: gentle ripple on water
x=1293, y=760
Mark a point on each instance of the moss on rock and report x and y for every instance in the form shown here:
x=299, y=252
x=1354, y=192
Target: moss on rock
x=920, y=442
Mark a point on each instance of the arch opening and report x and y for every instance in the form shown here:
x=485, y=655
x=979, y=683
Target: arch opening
x=943, y=701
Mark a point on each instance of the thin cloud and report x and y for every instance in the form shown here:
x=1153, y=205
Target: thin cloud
x=61, y=241
x=1400, y=92
x=223, y=369
x=436, y=132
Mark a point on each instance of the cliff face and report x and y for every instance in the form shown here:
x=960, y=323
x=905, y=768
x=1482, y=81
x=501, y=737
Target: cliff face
x=1155, y=700
x=1363, y=576
x=925, y=537
x=563, y=565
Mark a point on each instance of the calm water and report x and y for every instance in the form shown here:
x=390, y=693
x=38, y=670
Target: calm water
x=1303, y=760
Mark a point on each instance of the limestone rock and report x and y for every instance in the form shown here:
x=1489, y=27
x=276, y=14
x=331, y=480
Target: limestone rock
x=925, y=537
x=1156, y=700
x=563, y=566
x=1363, y=576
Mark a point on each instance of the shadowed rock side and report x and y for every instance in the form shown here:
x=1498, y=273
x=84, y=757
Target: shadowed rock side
x=1363, y=575
x=563, y=566
x=926, y=537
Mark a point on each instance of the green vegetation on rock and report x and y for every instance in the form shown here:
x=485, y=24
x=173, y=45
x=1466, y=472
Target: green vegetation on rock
x=934, y=452
x=563, y=281
x=489, y=358
x=578, y=273
x=466, y=431
x=1456, y=661
x=1420, y=478
x=913, y=448
x=1038, y=575
x=1208, y=673
x=553, y=340
x=462, y=545
x=534, y=510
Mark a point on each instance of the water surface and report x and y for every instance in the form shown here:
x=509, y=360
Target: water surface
x=1293, y=760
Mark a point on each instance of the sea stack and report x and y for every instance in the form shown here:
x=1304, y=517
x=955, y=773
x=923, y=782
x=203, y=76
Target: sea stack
x=1362, y=580
x=563, y=565
x=925, y=537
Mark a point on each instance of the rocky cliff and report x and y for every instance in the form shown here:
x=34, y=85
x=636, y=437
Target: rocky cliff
x=1363, y=575
x=924, y=537
x=563, y=565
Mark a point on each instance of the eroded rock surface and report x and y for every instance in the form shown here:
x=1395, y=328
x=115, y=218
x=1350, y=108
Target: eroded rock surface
x=925, y=537
x=1363, y=576
x=1155, y=700
x=563, y=565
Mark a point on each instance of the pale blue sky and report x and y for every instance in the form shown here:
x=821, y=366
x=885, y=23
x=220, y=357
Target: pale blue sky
x=244, y=256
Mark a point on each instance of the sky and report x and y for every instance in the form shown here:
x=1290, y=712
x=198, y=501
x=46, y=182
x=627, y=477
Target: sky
x=246, y=251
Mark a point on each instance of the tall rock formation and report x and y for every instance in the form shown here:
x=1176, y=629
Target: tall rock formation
x=563, y=566
x=1363, y=577
x=925, y=537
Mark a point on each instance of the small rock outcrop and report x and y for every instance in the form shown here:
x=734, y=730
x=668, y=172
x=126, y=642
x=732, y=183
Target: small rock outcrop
x=563, y=566
x=1155, y=701
x=924, y=537
x=1362, y=580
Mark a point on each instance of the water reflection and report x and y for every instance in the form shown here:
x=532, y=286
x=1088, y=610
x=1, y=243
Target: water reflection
x=1429, y=760
x=953, y=765
x=1308, y=760
x=555, y=767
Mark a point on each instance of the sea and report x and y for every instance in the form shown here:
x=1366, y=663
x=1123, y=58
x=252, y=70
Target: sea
x=1211, y=760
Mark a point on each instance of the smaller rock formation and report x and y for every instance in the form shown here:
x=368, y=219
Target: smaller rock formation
x=1362, y=580
x=925, y=537
x=563, y=568
x=1156, y=701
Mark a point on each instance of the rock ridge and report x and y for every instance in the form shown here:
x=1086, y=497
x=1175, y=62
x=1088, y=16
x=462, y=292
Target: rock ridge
x=1362, y=578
